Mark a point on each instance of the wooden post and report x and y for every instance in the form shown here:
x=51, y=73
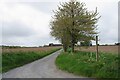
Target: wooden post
x=97, y=48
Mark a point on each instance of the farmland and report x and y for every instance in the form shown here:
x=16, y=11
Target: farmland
x=27, y=49
x=16, y=57
x=110, y=49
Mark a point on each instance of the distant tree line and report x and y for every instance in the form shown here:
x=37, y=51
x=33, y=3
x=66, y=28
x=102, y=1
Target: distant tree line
x=3, y=46
x=117, y=43
x=52, y=44
x=86, y=43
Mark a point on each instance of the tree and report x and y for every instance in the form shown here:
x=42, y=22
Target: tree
x=86, y=43
x=72, y=22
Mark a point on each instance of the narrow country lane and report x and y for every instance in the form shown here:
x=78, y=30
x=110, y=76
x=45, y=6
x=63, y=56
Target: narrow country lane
x=42, y=68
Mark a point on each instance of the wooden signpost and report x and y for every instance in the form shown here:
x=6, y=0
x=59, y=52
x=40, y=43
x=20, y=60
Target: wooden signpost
x=97, y=56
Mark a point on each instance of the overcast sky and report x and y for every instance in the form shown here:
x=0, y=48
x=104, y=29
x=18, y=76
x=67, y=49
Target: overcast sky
x=26, y=22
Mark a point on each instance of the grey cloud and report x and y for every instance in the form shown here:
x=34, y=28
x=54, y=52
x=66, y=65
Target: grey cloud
x=16, y=29
x=119, y=22
x=0, y=32
x=30, y=41
x=46, y=7
x=16, y=33
x=42, y=41
x=108, y=25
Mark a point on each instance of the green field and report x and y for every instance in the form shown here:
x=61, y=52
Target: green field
x=13, y=59
x=85, y=64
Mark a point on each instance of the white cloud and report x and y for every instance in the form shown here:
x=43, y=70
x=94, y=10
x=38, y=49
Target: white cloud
x=28, y=17
x=32, y=21
x=108, y=23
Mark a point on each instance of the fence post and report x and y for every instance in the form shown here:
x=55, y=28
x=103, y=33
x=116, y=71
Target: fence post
x=97, y=48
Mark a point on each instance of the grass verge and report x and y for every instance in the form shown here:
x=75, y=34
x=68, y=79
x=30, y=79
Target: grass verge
x=85, y=64
x=12, y=60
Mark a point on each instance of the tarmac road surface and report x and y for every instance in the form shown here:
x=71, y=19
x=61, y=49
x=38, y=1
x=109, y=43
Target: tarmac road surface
x=42, y=68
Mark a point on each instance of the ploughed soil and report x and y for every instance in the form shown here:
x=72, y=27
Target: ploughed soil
x=109, y=49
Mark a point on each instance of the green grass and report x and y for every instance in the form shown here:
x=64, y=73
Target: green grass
x=12, y=60
x=0, y=62
x=85, y=64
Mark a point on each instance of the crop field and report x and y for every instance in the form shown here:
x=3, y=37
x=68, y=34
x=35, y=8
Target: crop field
x=36, y=49
x=109, y=49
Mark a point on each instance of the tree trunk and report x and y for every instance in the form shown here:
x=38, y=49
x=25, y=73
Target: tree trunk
x=72, y=46
x=64, y=48
x=72, y=36
x=72, y=43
